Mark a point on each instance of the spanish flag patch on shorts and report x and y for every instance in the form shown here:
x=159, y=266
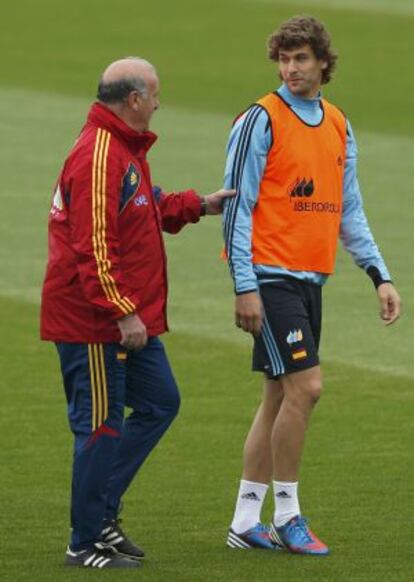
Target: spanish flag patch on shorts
x=299, y=355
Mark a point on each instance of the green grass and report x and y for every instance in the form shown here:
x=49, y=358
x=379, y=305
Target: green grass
x=357, y=475
x=211, y=54
x=356, y=469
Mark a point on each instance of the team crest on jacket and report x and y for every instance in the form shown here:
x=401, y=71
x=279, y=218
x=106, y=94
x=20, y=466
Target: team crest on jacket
x=130, y=185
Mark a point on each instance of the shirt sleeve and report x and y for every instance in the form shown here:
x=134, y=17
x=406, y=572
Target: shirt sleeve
x=355, y=232
x=247, y=150
x=93, y=217
x=177, y=209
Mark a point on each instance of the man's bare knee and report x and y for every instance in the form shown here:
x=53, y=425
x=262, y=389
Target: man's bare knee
x=304, y=385
x=314, y=389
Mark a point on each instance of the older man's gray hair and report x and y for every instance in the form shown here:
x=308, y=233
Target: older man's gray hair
x=116, y=90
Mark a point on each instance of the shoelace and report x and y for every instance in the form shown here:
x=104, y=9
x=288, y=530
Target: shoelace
x=301, y=529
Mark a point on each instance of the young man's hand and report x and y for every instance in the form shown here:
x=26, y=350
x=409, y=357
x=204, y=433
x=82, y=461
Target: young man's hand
x=390, y=303
x=249, y=312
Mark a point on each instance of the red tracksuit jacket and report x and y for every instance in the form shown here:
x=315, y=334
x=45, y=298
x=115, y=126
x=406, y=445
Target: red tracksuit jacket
x=106, y=250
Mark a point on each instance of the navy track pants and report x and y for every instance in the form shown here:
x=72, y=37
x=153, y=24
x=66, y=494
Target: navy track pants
x=100, y=380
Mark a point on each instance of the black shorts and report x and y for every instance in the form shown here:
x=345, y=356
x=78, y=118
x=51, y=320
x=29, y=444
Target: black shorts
x=291, y=331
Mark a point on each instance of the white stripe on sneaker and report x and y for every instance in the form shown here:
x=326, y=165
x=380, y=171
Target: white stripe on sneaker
x=275, y=536
x=89, y=560
x=235, y=539
x=111, y=536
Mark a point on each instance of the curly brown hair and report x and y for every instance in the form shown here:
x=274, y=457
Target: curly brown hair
x=300, y=31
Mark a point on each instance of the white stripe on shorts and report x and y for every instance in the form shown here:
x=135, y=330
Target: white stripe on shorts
x=272, y=350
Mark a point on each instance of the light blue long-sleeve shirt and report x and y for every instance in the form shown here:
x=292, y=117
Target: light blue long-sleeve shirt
x=247, y=149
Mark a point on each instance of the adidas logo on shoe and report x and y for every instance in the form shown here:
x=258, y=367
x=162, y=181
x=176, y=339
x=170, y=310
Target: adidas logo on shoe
x=257, y=537
x=98, y=556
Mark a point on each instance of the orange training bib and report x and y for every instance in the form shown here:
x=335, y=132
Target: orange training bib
x=298, y=213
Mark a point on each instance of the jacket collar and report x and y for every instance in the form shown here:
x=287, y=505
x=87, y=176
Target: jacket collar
x=137, y=142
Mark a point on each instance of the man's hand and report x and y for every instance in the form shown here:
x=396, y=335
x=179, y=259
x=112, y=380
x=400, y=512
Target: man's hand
x=133, y=332
x=214, y=202
x=390, y=303
x=249, y=312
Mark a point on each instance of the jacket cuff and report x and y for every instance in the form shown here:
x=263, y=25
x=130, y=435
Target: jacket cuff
x=376, y=277
x=193, y=203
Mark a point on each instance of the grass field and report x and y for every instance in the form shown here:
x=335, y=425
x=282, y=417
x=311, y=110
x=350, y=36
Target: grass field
x=357, y=481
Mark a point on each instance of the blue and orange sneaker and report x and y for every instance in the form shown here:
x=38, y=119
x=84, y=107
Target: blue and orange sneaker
x=296, y=536
x=257, y=537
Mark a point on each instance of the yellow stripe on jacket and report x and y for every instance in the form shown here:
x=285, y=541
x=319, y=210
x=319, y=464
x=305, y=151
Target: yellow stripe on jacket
x=100, y=247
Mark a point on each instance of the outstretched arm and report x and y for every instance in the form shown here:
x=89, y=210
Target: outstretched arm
x=179, y=209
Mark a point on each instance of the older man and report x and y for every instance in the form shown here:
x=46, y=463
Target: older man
x=104, y=305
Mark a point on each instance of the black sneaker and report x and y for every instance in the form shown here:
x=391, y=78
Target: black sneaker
x=113, y=537
x=98, y=557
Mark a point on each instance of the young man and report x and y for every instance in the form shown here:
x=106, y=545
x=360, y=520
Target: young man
x=292, y=159
x=104, y=305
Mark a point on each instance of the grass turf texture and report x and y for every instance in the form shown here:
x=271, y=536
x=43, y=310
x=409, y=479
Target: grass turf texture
x=357, y=476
